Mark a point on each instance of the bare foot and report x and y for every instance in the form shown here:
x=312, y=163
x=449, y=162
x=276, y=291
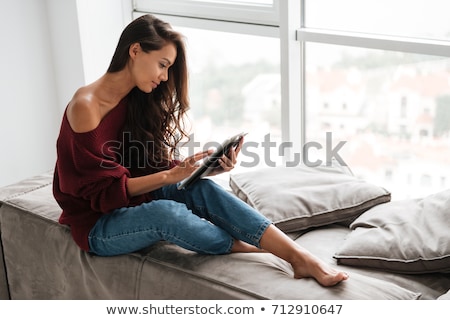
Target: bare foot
x=312, y=267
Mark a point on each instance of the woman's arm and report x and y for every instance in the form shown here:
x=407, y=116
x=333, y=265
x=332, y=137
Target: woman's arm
x=144, y=184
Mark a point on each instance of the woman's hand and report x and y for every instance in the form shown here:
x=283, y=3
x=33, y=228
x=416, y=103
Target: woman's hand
x=227, y=162
x=144, y=184
x=185, y=168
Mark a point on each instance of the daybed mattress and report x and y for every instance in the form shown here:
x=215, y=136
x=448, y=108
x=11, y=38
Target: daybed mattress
x=42, y=262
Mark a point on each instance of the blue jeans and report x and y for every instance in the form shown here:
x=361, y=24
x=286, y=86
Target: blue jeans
x=204, y=218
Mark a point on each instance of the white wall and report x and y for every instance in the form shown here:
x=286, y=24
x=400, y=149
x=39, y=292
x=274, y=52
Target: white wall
x=28, y=110
x=101, y=22
x=65, y=41
x=49, y=49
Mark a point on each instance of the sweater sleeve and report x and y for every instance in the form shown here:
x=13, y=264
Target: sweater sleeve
x=88, y=170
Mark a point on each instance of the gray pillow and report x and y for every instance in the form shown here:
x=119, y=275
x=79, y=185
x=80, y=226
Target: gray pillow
x=409, y=236
x=445, y=296
x=297, y=198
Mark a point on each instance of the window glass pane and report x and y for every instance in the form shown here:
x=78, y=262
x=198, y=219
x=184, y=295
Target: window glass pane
x=234, y=87
x=418, y=18
x=390, y=110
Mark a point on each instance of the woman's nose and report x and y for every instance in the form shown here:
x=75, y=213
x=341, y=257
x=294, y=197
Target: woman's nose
x=164, y=75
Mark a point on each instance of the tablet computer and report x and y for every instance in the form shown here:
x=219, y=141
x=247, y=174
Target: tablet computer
x=212, y=161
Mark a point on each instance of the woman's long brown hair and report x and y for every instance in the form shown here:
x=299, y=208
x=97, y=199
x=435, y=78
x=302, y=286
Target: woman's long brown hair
x=154, y=124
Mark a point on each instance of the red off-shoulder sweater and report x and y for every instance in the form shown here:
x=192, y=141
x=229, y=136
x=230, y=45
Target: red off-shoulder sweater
x=88, y=179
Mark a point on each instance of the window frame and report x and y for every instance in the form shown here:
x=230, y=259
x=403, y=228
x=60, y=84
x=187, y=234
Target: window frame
x=215, y=25
x=305, y=35
x=375, y=41
x=220, y=11
x=286, y=20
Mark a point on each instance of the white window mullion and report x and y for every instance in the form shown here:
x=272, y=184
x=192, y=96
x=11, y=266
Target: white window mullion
x=373, y=41
x=216, y=25
x=291, y=79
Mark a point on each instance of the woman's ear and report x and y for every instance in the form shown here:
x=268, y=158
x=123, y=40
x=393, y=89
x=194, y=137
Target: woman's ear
x=134, y=50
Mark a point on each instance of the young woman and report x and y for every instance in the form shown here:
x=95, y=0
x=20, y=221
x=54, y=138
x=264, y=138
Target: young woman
x=115, y=177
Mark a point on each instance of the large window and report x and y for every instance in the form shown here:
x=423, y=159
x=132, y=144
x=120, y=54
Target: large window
x=233, y=52
x=379, y=80
x=368, y=78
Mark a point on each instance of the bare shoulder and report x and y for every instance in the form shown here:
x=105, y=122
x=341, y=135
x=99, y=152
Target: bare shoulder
x=83, y=111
